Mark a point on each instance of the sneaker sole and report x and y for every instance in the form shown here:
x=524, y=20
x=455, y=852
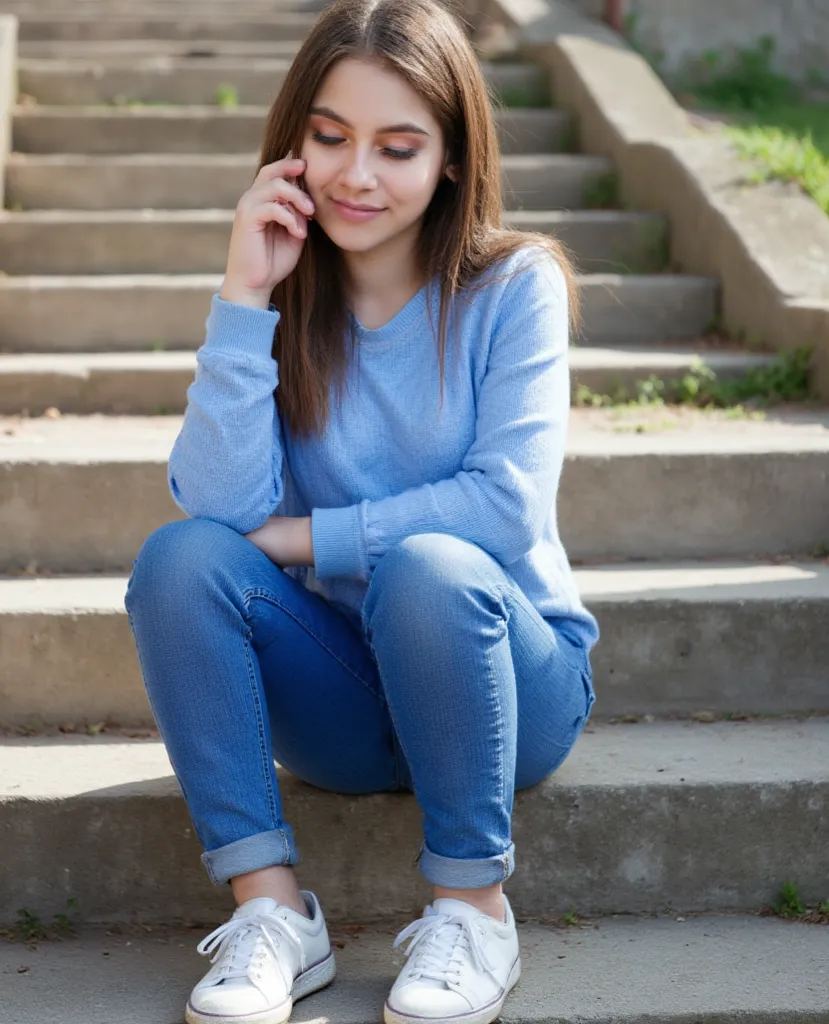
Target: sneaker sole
x=309, y=981
x=485, y=1015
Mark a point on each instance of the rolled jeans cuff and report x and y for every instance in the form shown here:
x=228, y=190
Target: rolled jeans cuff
x=452, y=873
x=263, y=850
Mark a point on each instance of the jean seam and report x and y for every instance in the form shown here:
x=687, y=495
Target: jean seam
x=271, y=599
x=155, y=716
x=267, y=756
x=398, y=780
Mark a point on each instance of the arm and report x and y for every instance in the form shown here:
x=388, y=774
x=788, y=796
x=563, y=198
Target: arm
x=226, y=463
x=509, y=478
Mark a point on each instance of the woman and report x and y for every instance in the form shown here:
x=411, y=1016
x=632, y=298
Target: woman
x=371, y=589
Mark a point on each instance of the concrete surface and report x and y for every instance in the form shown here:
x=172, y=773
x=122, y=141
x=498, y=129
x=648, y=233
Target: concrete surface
x=633, y=487
x=137, y=239
x=131, y=312
x=113, y=50
x=640, y=818
x=681, y=33
x=144, y=198
x=75, y=24
x=152, y=383
x=676, y=640
x=748, y=237
x=211, y=129
x=182, y=80
x=8, y=92
x=612, y=970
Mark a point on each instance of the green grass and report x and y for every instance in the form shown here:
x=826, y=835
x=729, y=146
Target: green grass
x=785, y=379
x=774, y=122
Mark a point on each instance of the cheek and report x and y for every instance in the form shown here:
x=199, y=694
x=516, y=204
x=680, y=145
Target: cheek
x=414, y=182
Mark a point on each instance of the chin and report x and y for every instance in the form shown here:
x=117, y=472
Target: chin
x=356, y=238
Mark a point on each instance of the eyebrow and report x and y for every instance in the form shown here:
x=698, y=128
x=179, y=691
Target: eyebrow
x=389, y=129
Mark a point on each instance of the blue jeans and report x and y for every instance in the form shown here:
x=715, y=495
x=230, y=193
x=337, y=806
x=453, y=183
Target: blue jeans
x=453, y=687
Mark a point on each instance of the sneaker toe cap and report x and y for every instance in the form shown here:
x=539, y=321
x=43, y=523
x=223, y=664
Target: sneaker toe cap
x=228, y=1000
x=420, y=1001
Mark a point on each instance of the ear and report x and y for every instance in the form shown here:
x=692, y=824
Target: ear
x=452, y=172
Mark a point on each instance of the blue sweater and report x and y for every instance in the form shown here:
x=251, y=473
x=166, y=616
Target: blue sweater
x=487, y=471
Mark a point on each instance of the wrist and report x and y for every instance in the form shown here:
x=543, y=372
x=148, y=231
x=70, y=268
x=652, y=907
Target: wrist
x=244, y=297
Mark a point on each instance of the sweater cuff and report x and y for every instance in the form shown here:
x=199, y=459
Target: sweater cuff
x=337, y=537
x=236, y=329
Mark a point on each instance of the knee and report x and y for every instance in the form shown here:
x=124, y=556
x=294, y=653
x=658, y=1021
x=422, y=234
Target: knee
x=176, y=556
x=430, y=570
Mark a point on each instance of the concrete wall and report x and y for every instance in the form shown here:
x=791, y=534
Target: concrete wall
x=678, y=32
x=8, y=90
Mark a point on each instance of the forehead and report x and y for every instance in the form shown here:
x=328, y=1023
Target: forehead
x=370, y=95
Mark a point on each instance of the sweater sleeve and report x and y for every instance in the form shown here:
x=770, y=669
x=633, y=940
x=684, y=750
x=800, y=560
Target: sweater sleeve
x=226, y=463
x=508, y=482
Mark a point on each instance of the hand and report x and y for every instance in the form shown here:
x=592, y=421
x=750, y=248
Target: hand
x=269, y=230
x=286, y=540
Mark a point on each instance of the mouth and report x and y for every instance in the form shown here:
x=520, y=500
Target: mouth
x=356, y=213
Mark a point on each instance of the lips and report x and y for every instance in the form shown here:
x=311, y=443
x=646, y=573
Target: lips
x=360, y=209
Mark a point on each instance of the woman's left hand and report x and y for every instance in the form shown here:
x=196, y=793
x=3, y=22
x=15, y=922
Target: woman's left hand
x=286, y=540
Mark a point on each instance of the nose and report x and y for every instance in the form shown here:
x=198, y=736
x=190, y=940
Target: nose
x=359, y=173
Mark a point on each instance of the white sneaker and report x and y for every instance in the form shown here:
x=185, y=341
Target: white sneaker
x=267, y=956
x=460, y=967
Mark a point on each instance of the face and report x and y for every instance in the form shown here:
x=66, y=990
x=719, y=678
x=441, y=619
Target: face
x=374, y=153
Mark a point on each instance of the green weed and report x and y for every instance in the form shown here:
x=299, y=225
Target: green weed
x=603, y=192
x=28, y=927
x=785, y=379
x=786, y=134
x=790, y=905
x=227, y=96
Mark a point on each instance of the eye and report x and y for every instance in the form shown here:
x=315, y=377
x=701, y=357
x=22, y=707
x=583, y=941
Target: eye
x=400, y=154
x=335, y=140
x=327, y=140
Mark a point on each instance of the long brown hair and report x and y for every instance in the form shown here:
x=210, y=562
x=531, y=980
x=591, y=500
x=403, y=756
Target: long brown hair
x=461, y=236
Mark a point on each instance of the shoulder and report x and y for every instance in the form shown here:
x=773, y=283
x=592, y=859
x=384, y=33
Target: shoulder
x=528, y=271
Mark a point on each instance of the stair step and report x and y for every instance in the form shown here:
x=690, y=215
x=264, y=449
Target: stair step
x=111, y=52
x=181, y=80
x=700, y=485
x=657, y=816
x=172, y=183
x=133, y=312
x=724, y=637
x=606, y=370
x=212, y=129
x=168, y=241
x=42, y=26
x=153, y=383
x=622, y=963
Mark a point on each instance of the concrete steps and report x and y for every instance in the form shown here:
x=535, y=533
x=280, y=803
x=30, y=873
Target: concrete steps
x=701, y=542
x=725, y=637
x=129, y=312
x=142, y=240
x=112, y=51
x=607, y=969
x=162, y=24
x=193, y=80
x=705, y=486
x=153, y=383
x=640, y=818
x=80, y=184
x=213, y=129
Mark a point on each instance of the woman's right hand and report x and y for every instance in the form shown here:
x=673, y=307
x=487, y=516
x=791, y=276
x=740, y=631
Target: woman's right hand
x=269, y=229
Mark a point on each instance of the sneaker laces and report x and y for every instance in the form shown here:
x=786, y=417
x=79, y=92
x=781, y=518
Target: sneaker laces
x=239, y=939
x=442, y=942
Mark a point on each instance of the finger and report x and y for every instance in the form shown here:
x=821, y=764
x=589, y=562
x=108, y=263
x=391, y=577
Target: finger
x=288, y=166
x=285, y=215
x=281, y=189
